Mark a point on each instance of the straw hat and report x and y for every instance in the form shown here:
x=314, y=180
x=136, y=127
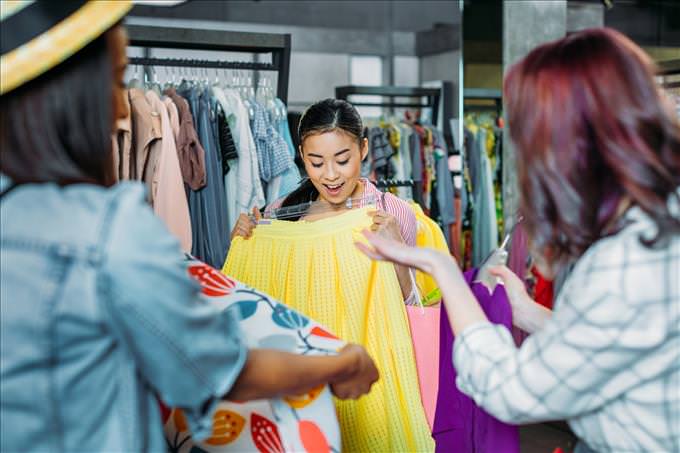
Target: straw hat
x=36, y=36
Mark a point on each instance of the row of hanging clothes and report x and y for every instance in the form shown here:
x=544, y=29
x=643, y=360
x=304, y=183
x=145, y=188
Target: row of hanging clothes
x=481, y=194
x=207, y=151
x=407, y=149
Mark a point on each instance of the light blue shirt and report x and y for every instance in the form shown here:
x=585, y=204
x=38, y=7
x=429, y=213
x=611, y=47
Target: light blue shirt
x=98, y=315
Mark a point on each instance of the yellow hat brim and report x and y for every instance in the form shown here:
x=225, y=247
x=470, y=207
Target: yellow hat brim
x=60, y=42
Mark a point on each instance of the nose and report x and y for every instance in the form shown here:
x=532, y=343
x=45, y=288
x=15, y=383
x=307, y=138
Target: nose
x=331, y=174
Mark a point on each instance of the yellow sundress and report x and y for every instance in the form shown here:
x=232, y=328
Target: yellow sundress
x=315, y=268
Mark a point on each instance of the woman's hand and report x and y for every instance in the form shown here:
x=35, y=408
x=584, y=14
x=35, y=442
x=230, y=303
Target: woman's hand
x=245, y=225
x=359, y=376
x=386, y=225
x=462, y=307
x=424, y=259
x=269, y=373
x=526, y=313
x=514, y=286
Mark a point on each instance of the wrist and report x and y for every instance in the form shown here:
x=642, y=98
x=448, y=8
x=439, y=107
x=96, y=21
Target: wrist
x=347, y=364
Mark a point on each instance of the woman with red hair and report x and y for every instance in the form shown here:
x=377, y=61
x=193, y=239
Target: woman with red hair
x=598, y=156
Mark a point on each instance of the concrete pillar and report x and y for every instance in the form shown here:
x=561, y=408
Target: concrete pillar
x=582, y=15
x=526, y=24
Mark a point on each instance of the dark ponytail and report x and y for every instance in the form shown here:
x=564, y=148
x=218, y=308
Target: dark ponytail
x=323, y=116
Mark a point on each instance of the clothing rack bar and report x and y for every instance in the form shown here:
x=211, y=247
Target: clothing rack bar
x=193, y=38
x=433, y=96
x=191, y=63
x=669, y=67
x=278, y=45
x=394, y=183
x=393, y=91
x=390, y=104
x=478, y=107
x=482, y=93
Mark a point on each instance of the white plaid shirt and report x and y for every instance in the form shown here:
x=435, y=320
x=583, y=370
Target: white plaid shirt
x=608, y=360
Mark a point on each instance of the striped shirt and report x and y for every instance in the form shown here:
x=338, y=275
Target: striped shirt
x=394, y=205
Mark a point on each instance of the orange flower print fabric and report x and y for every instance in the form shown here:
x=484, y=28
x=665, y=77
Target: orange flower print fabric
x=303, y=423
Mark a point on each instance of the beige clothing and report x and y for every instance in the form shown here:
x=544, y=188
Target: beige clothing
x=167, y=189
x=173, y=113
x=146, y=135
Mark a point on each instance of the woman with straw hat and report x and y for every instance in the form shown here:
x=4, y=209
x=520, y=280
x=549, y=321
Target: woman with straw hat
x=98, y=313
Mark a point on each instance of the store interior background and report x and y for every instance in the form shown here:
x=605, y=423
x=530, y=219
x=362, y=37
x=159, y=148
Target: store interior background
x=417, y=43
x=411, y=42
x=414, y=43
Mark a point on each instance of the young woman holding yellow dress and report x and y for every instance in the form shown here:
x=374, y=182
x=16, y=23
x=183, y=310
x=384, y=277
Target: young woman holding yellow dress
x=311, y=264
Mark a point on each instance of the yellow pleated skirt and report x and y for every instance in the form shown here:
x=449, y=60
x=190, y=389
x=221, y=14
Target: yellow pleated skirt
x=315, y=268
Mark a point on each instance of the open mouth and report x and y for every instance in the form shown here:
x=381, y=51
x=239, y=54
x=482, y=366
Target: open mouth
x=334, y=189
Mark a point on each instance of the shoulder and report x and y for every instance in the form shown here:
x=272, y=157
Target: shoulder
x=391, y=203
x=399, y=208
x=143, y=262
x=133, y=228
x=622, y=265
x=77, y=214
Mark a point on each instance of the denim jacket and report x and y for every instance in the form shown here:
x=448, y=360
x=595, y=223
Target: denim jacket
x=98, y=316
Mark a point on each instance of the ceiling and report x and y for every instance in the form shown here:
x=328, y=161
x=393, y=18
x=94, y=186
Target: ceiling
x=402, y=15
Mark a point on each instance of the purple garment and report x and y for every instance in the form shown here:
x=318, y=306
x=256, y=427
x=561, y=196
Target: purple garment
x=459, y=425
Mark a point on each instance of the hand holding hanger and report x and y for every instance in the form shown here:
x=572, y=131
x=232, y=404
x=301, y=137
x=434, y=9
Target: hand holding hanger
x=497, y=258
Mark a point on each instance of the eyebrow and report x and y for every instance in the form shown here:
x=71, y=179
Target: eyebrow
x=343, y=151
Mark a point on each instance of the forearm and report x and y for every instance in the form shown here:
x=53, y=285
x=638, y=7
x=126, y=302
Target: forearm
x=269, y=373
x=462, y=307
x=404, y=277
x=530, y=316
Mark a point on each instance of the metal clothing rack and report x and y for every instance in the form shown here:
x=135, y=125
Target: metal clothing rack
x=389, y=183
x=384, y=184
x=432, y=97
x=667, y=69
x=278, y=45
x=485, y=94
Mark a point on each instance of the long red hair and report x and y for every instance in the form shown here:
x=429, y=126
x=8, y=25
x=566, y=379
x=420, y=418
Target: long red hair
x=592, y=132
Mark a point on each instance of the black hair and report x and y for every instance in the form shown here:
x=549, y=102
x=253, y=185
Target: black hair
x=321, y=117
x=57, y=127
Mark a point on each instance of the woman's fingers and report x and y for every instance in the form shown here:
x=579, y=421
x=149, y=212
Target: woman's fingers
x=245, y=225
x=244, y=228
x=501, y=271
x=368, y=251
x=505, y=274
x=390, y=250
x=386, y=249
x=378, y=215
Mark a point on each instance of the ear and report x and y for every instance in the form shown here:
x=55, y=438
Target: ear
x=302, y=156
x=364, y=148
